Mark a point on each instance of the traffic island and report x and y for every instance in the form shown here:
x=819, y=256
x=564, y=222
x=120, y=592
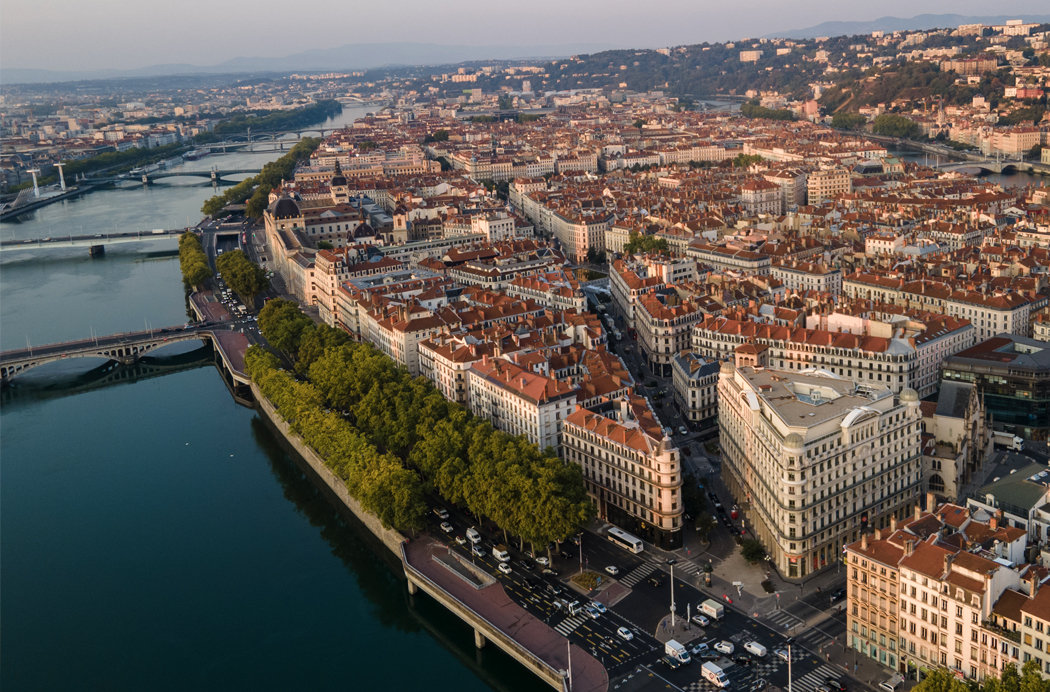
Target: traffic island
x=681, y=631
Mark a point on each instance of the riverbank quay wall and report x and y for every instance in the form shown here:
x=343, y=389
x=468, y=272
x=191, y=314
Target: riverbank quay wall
x=442, y=587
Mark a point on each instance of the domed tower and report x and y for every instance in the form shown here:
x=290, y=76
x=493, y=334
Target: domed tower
x=910, y=397
x=338, y=186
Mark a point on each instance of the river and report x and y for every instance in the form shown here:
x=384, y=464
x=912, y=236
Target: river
x=153, y=533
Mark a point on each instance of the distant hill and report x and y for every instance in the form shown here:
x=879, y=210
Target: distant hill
x=349, y=57
x=889, y=24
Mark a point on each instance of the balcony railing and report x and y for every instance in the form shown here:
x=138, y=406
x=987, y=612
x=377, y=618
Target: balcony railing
x=1012, y=635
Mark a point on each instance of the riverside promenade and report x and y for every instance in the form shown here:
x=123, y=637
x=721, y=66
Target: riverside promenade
x=499, y=619
x=480, y=603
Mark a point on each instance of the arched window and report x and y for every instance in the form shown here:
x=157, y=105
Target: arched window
x=936, y=483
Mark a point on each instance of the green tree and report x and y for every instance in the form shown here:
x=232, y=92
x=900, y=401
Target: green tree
x=639, y=243
x=260, y=199
x=244, y=276
x=752, y=551
x=746, y=160
x=1035, y=152
x=639, y=124
x=192, y=260
x=848, y=121
x=282, y=323
x=895, y=126
x=705, y=524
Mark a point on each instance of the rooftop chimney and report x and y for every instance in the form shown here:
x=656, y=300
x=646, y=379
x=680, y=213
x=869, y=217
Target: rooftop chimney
x=994, y=523
x=918, y=512
x=909, y=547
x=1033, y=585
x=864, y=541
x=931, y=502
x=893, y=524
x=948, y=563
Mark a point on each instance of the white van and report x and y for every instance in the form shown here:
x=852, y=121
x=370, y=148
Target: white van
x=501, y=553
x=473, y=536
x=755, y=648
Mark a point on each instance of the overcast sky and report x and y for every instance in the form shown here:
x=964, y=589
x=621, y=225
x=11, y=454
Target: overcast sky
x=126, y=34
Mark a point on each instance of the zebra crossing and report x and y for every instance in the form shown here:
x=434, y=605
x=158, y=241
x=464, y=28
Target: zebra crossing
x=569, y=625
x=812, y=638
x=639, y=573
x=784, y=620
x=811, y=681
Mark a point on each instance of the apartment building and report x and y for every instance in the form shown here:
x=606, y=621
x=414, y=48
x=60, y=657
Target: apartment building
x=828, y=184
x=762, y=197
x=792, y=185
x=806, y=276
x=520, y=402
x=632, y=470
x=990, y=313
x=727, y=257
x=814, y=459
x=629, y=280
x=695, y=382
x=665, y=326
x=446, y=362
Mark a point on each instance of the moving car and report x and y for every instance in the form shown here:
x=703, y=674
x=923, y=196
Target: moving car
x=834, y=684
x=543, y=561
x=478, y=550
x=625, y=634
x=782, y=654
x=461, y=540
x=671, y=662
x=600, y=607
x=446, y=527
x=725, y=647
x=612, y=570
x=742, y=660
x=503, y=567
x=657, y=579
x=526, y=565
x=566, y=555
x=550, y=572
x=838, y=594
x=592, y=612
x=700, y=649
x=682, y=430
x=701, y=620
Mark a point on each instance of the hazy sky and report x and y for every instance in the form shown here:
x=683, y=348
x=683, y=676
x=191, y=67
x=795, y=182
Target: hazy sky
x=125, y=34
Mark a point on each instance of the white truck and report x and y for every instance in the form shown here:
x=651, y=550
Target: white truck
x=677, y=650
x=713, y=609
x=1008, y=441
x=501, y=553
x=714, y=674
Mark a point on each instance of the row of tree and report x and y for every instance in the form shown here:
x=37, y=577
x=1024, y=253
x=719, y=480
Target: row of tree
x=245, y=277
x=895, y=126
x=258, y=187
x=113, y=161
x=275, y=121
x=192, y=260
x=1027, y=679
x=752, y=109
x=530, y=494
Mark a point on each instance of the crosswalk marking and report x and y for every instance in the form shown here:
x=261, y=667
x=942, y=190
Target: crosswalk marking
x=638, y=573
x=784, y=619
x=810, y=681
x=569, y=625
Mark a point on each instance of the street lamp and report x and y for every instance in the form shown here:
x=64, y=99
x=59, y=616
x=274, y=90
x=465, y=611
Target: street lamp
x=790, y=641
x=672, y=563
x=579, y=544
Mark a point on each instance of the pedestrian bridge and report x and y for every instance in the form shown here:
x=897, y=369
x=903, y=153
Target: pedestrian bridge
x=125, y=348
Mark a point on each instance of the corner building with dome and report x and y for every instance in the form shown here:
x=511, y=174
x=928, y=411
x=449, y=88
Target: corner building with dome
x=814, y=459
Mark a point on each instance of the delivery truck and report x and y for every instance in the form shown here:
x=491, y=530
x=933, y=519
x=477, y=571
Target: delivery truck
x=712, y=609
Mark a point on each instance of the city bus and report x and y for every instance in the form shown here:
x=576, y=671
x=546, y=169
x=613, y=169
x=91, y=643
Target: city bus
x=625, y=540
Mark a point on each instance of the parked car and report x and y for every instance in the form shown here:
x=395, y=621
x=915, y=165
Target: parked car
x=446, y=527
x=838, y=594
x=700, y=649
x=625, y=634
x=503, y=567
x=725, y=647
x=612, y=570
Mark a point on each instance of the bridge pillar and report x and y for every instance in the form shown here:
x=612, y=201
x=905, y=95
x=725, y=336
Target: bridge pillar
x=479, y=639
x=97, y=250
x=412, y=588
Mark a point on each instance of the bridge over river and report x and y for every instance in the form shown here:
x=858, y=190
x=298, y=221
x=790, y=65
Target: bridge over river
x=213, y=174
x=129, y=347
x=98, y=240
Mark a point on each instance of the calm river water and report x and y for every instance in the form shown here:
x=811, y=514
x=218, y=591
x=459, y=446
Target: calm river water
x=154, y=534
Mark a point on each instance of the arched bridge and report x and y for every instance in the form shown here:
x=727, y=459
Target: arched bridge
x=986, y=165
x=215, y=174
x=126, y=348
